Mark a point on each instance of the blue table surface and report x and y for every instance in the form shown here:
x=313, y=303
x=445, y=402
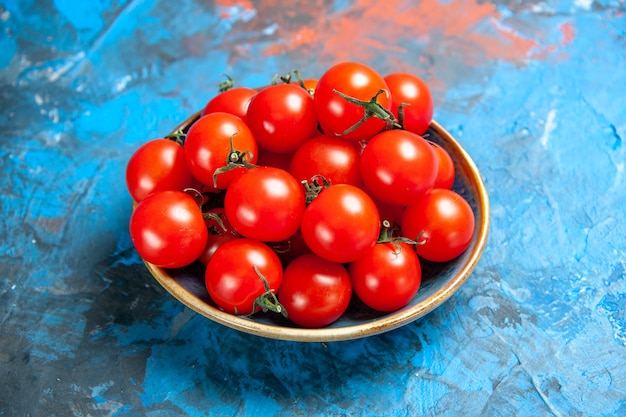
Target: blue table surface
x=536, y=93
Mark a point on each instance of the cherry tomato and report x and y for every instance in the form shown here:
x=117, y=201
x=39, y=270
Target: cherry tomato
x=265, y=204
x=387, y=277
x=208, y=148
x=168, y=230
x=220, y=232
x=398, y=166
x=441, y=222
x=445, y=167
x=282, y=117
x=409, y=89
x=315, y=292
x=335, y=159
x=234, y=101
x=338, y=115
x=157, y=165
x=341, y=223
x=243, y=277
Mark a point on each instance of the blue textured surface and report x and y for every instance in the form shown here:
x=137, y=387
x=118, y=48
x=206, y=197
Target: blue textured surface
x=535, y=92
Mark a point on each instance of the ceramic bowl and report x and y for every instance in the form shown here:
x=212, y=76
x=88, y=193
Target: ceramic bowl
x=439, y=280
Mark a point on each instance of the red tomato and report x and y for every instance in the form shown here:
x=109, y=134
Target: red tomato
x=398, y=166
x=282, y=117
x=387, y=277
x=341, y=223
x=157, y=165
x=243, y=277
x=220, y=232
x=445, y=167
x=265, y=204
x=335, y=159
x=338, y=115
x=168, y=230
x=441, y=222
x=234, y=101
x=410, y=89
x=315, y=292
x=208, y=148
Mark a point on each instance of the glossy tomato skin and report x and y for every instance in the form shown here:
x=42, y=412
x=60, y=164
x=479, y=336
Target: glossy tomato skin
x=341, y=224
x=442, y=222
x=445, y=167
x=335, y=159
x=398, y=167
x=234, y=101
x=265, y=204
x=208, y=146
x=168, y=230
x=157, y=165
x=315, y=292
x=387, y=277
x=410, y=89
x=231, y=275
x=336, y=114
x=282, y=117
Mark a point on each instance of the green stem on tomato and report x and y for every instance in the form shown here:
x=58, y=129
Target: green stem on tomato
x=286, y=78
x=227, y=84
x=217, y=218
x=371, y=108
x=401, y=114
x=179, y=137
x=235, y=159
x=268, y=300
x=314, y=186
x=387, y=236
x=198, y=197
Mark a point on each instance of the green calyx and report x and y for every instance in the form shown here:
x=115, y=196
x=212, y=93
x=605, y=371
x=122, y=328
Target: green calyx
x=371, y=109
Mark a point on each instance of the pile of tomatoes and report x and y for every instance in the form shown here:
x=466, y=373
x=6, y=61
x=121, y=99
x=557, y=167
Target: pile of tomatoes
x=302, y=194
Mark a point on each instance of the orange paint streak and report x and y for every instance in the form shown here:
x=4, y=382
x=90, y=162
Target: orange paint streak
x=510, y=45
x=224, y=5
x=568, y=31
x=372, y=26
x=234, y=3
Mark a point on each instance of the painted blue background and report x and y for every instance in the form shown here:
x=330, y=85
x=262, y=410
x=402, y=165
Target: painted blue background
x=536, y=92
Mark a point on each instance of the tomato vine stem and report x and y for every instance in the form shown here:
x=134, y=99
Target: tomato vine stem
x=268, y=300
x=217, y=218
x=179, y=137
x=314, y=186
x=235, y=159
x=371, y=108
x=227, y=84
x=197, y=196
x=401, y=114
x=387, y=235
x=286, y=78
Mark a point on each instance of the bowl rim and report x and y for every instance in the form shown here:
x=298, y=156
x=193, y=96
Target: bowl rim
x=382, y=324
